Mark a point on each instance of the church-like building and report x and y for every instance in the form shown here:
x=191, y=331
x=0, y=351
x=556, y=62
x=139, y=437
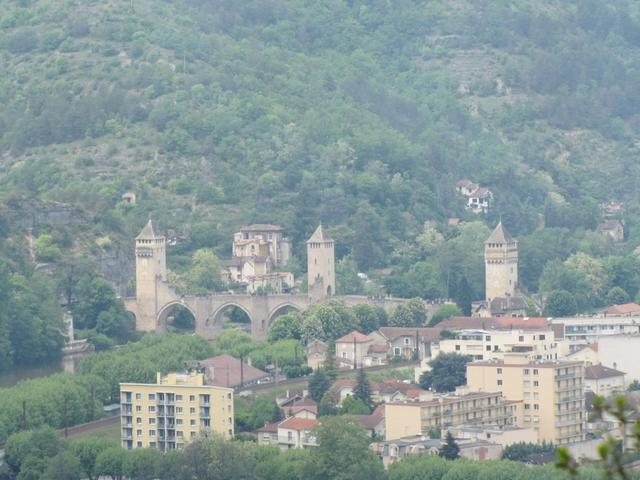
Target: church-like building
x=502, y=296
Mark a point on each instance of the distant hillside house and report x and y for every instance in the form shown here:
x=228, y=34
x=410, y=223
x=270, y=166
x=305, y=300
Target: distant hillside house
x=466, y=187
x=612, y=228
x=480, y=200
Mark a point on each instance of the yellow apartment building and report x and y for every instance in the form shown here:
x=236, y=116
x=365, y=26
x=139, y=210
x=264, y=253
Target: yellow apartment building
x=171, y=412
x=552, y=393
x=443, y=411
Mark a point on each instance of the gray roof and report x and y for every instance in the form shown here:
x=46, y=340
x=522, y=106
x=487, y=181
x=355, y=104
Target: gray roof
x=319, y=235
x=500, y=235
x=147, y=232
x=596, y=372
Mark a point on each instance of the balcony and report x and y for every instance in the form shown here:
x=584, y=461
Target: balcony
x=565, y=376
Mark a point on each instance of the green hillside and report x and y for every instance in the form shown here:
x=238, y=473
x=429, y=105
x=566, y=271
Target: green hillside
x=359, y=114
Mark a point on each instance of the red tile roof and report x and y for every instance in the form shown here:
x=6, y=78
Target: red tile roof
x=294, y=423
x=357, y=336
x=224, y=371
x=622, y=309
x=425, y=333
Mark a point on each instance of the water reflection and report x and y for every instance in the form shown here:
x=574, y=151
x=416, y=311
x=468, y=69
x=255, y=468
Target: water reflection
x=68, y=364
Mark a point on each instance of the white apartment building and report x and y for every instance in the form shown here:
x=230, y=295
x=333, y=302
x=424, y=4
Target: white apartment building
x=583, y=330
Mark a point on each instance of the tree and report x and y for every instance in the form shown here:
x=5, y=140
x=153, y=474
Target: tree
x=362, y=390
x=448, y=371
x=617, y=296
x=347, y=280
x=634, y=386
x=205, y=273
x=286, y=326
x=354, y=406
x=450, y=450
x=318, y=385
x=329, y=365
x=463, y=296
x=64, y=466
x=560, y=303
x=410, y=314
x=328, y=404
x=443, y=313
x=368, y=318
x=142, y=464
x=87, y=450
x=343, y=452
x=110, y=463
x=523, y=451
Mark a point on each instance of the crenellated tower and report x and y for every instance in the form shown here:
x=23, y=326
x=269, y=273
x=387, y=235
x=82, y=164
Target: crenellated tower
x=151, y=269
x=501, y=264
x=321, y=274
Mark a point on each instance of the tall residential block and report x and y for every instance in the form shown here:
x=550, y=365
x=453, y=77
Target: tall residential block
x=321, y=273
x=444, y=411
x=552, y=393
x=501, y=264
x=151, y=272
x=170, y=413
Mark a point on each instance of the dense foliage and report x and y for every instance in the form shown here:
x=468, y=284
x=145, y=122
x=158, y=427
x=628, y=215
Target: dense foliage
x=77, y=398
x=448, y=371
x=359, y=114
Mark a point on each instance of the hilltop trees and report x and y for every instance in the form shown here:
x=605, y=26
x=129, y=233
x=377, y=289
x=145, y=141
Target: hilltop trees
x=448, y=371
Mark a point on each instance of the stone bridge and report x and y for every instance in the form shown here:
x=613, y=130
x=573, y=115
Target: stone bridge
x=209, y=310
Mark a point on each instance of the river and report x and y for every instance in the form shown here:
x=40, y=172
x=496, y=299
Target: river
x=67, y=363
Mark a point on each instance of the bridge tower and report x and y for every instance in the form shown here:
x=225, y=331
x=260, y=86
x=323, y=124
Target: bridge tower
x=501, y=264
x=151, y=270
x=321, y=274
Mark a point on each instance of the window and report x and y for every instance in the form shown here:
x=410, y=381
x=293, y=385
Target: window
x=396, y=351
x=192, y=410
x=152, y=444
x=499, y=382
x=178, y=398
x=178, y=409
x=138, y=408
x=344, y=354
x=139, y=433
x=526, y=371
x=179, y=434
x=192, y=423
x=536, y=383
x=152, y=409
x=229, y=396
x=139, y=444
x=521, y=338
x=458, y=348
x=152, y=421
x=542, y=337
x=535, y=371
x=488, y=348
x=138, y=421
x=152, y=433
x=527, y=406
x=192, y=398
x=138, y=396
x=406, y=341
x=488, y=338
x=179, y=421
x=152, y=396
x=536, y=406
x=499, y=371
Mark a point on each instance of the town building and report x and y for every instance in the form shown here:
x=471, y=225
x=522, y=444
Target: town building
x=588, y=354
x=538, y=344
x=173, y=411
x=227, y=371
x=552, y=393
x=373, y=424
x=321, y=275
x=503, y=435
x=480, y=200
x=407, y=342
x=583, y=330
x=603, y=381
x=258, y=252
x=352, y=350
x=441, y=412
x=612, y=228
x=315, y=353
x=393, y=450
x=292, y=432
x=466, y=187
x=620, y=352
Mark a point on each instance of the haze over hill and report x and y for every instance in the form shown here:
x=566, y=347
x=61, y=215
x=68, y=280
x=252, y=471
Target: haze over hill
x=358, y=114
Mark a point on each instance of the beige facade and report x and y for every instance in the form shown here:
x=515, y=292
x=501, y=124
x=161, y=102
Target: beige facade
x=151, y=270
x=501, y=264
x=488, y=344
x=552, y=393
x=587, y=355
x=170, y=413
x=603, y=381
x=505, y=436
x=263, y=240
x=580, y=331
x=444, y=411
x=321, y=275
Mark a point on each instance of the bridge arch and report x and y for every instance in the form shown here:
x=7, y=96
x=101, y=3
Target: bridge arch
x=162, y=319
x=281, y=310
x=214, y=323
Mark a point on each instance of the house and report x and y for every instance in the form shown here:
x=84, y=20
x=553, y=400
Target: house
x=453, y=222
x=612, y=228
x=129, y=197
x=480, y=200
x=587, y=354
x=352, y=350
x=504, y=435
x=342, y=388
x=373, y=424
x=466, y=187
x=315, y=353
x=292, y=408
x=603, y=381
x=623, y=310
x=612, y=209
x=393, y=450
x=228, y=371
x=403, y=341
x=292, y=432
x=500, y=307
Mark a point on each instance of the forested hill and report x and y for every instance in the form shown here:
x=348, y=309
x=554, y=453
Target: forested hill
x=360, y=114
